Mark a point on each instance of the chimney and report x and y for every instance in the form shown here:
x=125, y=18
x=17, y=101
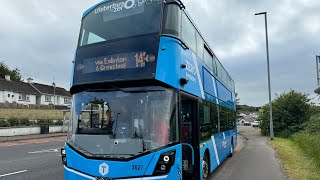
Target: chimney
x=7, y=77
x=30, y=80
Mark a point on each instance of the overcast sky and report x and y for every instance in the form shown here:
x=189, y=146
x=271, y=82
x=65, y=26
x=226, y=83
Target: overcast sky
x=39, y=37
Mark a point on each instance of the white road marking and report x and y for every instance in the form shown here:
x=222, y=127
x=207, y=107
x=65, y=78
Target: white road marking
x=45, y=151
x=9, y=174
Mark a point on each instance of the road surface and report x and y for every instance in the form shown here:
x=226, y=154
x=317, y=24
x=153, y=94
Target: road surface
x=31, y=160
x=255, y=161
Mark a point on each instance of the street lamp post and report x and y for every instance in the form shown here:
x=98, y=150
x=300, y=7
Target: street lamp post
x=269, y=84
x=317, y=61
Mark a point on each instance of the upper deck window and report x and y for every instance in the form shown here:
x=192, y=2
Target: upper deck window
x=200, y=47
x=172, y=20
x=118, y=19
x=188, y=32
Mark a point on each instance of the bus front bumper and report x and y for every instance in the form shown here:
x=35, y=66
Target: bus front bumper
x=70, y=174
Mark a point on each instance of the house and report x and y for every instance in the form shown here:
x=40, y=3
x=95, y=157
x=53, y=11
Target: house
x=30, y=93
x=19, y=92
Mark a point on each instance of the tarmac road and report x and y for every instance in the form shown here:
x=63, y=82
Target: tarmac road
x=31, y=160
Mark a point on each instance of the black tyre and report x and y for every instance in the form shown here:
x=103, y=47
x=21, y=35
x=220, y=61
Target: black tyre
x=205, y=167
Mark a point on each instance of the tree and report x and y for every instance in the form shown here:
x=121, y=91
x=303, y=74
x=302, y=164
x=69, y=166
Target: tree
x=290, y=111
x=5, y=70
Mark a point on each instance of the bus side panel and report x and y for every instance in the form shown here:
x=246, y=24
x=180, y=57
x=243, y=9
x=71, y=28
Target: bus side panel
x=168, y=61
x=214, y=156
x=193, y=73
x=223, y=145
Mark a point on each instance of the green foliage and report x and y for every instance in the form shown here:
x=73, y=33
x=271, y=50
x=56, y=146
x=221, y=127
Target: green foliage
x=59, y=123
x=25, y=122
x=314, y=110
x=45, y=122
x=246, y=108
x=14, y=122
x=5, y=70
x=310, y=144
x=4, y=123
x=290, y=111
x=313, y=125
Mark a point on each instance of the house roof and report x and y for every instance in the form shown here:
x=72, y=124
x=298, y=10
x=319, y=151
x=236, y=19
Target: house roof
x=34, y=88
x=18, y=87
x=46, y=89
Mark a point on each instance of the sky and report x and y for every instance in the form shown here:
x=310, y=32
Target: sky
x=40, y=36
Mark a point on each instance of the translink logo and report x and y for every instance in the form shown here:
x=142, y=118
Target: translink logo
x=104, y=169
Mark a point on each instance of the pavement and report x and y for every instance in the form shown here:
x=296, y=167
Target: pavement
x=255, y=161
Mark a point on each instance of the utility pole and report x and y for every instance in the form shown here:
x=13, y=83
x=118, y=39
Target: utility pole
x=317, y=62
x=268, y=64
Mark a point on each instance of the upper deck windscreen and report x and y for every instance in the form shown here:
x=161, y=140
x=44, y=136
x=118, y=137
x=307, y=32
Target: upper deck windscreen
x=118, y=19
x=119, y=41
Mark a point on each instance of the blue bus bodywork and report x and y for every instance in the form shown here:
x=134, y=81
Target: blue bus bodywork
x=202, y=83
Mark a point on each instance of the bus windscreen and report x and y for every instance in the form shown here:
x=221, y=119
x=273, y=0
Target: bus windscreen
x=118, y=19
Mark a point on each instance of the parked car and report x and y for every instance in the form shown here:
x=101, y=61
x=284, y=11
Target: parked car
x=255, y=124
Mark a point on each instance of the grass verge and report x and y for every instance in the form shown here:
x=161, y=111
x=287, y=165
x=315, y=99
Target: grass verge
x=295, y=162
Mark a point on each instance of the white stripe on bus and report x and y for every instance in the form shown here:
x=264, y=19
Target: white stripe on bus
x=78, y=173
x=198, y=74
x=215, y=149
x=215, y=89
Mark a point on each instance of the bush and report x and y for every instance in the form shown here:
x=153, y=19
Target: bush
x=45, y=121
x=59, y=123
x=13, y=122
x=290, y=111
x=313, y=125
x=310, y=143
x=25, y=122
x=4, y=123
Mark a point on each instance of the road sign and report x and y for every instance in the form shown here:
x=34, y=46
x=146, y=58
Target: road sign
x=69, y=104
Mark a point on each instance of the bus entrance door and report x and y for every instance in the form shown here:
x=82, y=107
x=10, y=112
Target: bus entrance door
x=189, y=108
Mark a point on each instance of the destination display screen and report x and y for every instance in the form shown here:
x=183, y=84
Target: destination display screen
x=116, y=62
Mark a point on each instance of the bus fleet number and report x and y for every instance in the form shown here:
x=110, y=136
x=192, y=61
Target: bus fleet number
x=137, y=167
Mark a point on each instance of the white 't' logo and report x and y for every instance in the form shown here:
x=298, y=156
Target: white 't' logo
x=104, y=169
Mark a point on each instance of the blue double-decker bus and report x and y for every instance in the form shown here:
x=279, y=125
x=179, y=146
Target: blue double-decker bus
x=150, y=98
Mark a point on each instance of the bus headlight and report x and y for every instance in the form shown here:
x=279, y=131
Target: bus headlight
x=166, y=159
x=165, y=162
x=63, y=156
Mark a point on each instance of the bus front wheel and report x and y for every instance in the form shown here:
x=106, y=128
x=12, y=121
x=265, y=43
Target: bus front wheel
x=205, y=167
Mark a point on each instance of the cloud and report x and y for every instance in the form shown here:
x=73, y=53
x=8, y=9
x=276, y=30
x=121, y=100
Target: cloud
x=238, y=39
x=40, y=36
